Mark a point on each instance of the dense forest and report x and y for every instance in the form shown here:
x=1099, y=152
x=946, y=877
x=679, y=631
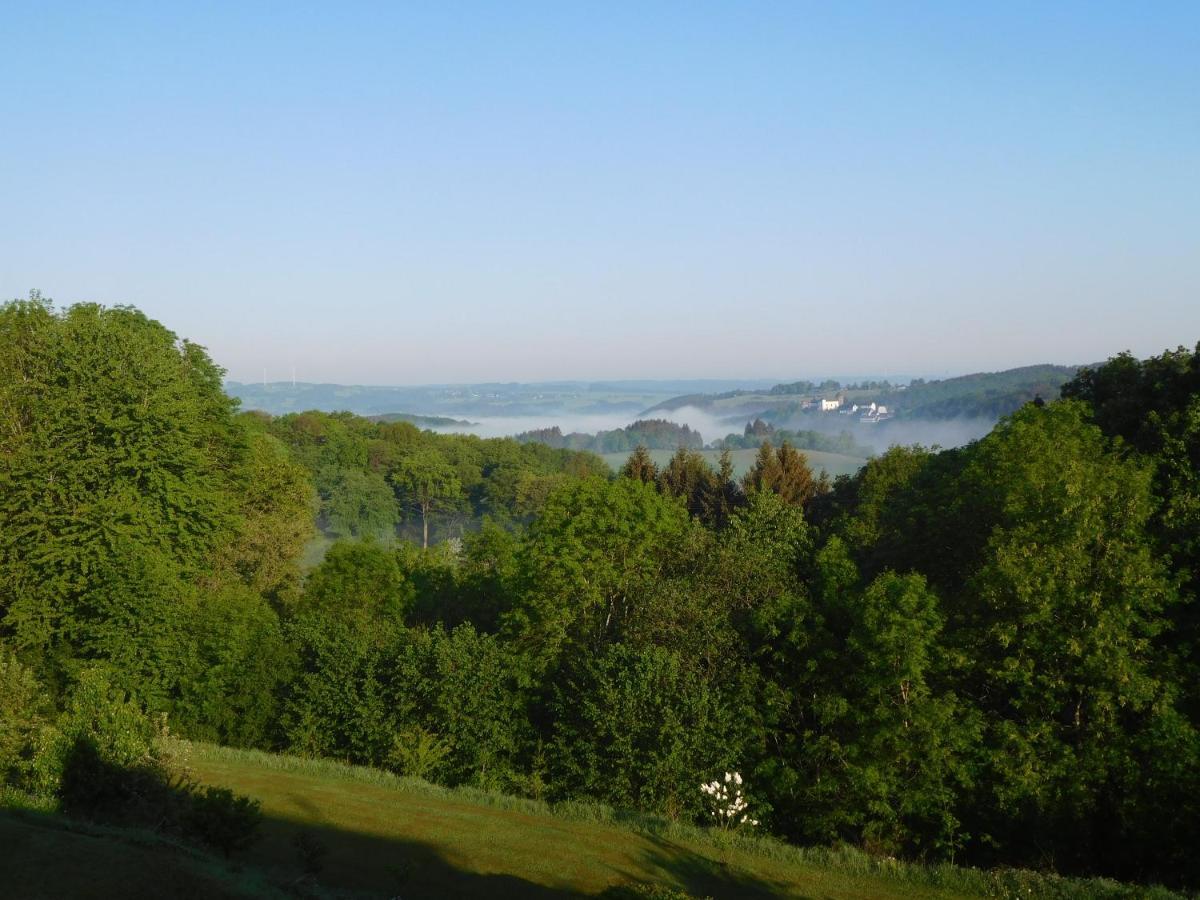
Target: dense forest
x=987, y=654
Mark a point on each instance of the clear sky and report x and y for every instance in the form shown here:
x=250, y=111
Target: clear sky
x=434, y=192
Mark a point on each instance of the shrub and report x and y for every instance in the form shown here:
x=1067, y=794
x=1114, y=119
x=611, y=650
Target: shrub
x=21, y=705
x=222, y=819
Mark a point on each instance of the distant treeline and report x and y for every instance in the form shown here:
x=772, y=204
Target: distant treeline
x=983, y=395
x=653, y=434
x=421, y=421
x=826, y=386
x=758, y=431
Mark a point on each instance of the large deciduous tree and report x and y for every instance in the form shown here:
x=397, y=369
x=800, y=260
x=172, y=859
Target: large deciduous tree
x=426, y=484
x=116, y=448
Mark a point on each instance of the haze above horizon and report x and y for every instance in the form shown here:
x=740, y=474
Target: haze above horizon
x=537, y=192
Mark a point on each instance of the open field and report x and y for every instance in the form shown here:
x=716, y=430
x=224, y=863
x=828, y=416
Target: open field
x=833, y=463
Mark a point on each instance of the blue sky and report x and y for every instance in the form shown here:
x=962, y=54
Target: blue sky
x=445, y=192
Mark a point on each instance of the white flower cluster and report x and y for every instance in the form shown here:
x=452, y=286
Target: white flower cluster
x=725, y=800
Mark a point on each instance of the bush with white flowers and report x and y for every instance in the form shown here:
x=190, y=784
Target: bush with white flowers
x=725, y=801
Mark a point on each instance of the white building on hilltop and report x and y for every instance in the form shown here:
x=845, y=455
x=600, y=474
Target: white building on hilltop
x=830, y=405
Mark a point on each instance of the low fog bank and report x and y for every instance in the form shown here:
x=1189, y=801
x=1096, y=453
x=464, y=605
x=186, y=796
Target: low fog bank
x=709, y=426
x=946, y=433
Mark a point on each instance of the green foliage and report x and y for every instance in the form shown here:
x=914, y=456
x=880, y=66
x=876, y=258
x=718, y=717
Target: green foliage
x=417, y=752
x=910, y=741
x=653, y=434
x=222, y=819
x=803, y=439
x=784, y=472
x=356, y=503
x=634, y=726
x=357, y=693
x=233, y=662
x=986, y=394
x=426, y=484
x=586, y=561
x=23, y=707
x=276, y=507
x=360, y=580
x=639, y=466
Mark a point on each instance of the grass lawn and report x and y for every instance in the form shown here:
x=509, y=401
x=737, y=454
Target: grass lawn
x=390, y=836
x=384, y=836
x=833, y=463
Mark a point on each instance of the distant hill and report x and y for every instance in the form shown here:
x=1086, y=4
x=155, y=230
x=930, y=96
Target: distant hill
x=475, y=400
x=983, y=395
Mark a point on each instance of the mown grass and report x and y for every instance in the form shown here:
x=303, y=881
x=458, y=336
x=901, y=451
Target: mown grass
x=387, y=835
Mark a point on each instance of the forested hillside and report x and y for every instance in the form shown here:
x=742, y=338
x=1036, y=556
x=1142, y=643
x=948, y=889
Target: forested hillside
x=983, y=395
x=986, y=394
x=988, y=654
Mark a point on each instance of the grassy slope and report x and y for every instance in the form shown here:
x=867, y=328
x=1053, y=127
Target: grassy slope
x=833, y=463
x=44, y=856
x=387, y=836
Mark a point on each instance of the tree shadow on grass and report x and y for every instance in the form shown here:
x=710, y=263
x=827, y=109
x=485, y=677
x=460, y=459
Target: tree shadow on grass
x=375, y=866
x=364, y=865
x=704, y=874
x=46, y=855
x=147, y=846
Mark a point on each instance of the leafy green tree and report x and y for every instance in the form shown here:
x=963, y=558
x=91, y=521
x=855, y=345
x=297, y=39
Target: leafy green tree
x=910, y=742
x=360, y=581
x=1058, y=620
x=483, y=583
x=356, y=503
x=234, y=663
x=277, y=504
x=426, y=484
x=1153, y=405
x=115, y=438
x=637, y=728
x=587, y=560
x=464, y=691
x=337, y=705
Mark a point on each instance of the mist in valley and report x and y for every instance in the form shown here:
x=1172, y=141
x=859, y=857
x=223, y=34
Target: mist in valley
x=944, y=433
